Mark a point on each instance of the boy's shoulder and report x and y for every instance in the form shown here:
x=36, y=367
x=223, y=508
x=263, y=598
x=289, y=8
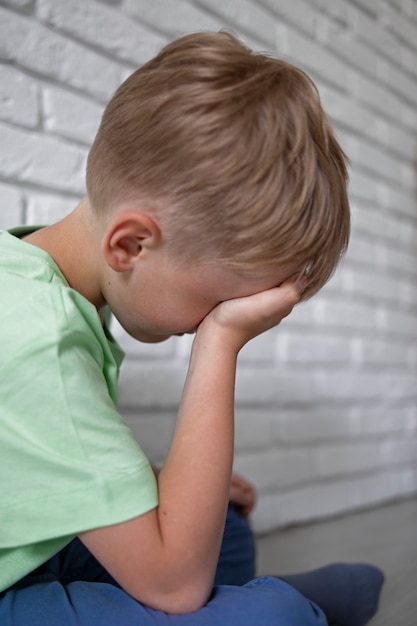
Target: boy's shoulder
x=38, y=303
x=22, y=260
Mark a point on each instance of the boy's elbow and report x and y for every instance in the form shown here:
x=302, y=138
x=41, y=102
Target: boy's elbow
x=186, y=603
x=187, y=599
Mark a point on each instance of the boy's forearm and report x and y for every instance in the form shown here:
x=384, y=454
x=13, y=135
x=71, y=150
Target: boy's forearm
x=194, y=482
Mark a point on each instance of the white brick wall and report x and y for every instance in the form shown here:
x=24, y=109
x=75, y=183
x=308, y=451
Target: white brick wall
x=327, y=403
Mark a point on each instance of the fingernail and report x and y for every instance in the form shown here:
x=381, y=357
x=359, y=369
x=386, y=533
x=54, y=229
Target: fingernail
x=301, y=282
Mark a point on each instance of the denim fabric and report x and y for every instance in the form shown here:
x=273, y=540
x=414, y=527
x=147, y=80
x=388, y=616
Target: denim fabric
x=72, y=589
x=237, y=555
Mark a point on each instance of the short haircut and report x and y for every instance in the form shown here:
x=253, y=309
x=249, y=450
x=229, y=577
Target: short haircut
x=234, y=151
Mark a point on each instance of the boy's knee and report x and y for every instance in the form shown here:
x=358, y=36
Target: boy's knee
x=267, y=601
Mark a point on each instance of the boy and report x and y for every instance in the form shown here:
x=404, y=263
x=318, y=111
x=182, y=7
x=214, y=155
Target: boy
x=216, y=200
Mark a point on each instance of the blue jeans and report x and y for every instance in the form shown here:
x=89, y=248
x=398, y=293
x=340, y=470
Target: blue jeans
x=73, y=589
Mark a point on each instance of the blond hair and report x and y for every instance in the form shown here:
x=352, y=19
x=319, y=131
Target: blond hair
x=236, y=152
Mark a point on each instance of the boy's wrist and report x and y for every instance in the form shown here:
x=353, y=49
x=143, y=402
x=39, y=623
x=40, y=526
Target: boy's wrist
x=216, y=338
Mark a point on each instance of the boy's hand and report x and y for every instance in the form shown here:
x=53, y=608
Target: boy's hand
x=242, y=494
x=241, y=319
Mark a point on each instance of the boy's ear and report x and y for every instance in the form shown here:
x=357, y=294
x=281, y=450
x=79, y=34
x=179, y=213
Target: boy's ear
x=127, y=237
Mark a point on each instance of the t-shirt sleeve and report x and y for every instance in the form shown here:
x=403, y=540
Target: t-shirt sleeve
x=71, y=464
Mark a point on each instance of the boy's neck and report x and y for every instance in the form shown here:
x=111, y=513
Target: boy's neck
x=74, y=247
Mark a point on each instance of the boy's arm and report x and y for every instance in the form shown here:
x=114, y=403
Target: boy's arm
x=167, y=557
x=242, y=493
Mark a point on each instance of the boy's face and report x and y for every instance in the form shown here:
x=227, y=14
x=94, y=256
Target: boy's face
x=162, y=299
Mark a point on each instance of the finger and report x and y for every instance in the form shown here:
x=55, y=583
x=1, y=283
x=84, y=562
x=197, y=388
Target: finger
x=280, y=301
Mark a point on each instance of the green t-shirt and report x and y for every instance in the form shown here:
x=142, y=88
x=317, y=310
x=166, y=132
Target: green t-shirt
x=68, y=462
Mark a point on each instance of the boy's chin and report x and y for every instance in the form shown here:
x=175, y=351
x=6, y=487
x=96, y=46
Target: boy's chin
x=146, y=338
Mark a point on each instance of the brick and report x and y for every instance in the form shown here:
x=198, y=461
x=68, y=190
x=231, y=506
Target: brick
x=20, y=4
x=400, y=25
x=253, y=429
x=297, y=12
x=407, y=483
x=374, y=489
x=407, y=178
x=153, y=431
x=373, y=33
x=400, y=452
x=406, y=6
x=172, y=17
x=156, y=385
x=400, y=322
x=377, y=224
x=260, y=349
x=398, y=81
x=401, y=142
x=19, y=99
x=11, y=206
x=368, y=7
x=372, y=285
x=304, y=315
x=69, y=115
x=317, y=349
x=382, y=353
x=53, y=56
x=345, y=459
x=408, y=295
x=375, y=159
x=337, y=11
x=348, y=386
x=378, y=97
x=314, y=58
x=373, y=421
x=33, y=158
x=334, y=287
x=364, y=252
x=408, y=116
x=400, y=386
x=348, y=314
x=48, y=208
x=411, y=426
x=396, y=140
x=347, y=110
x=308, y=503
x=412, y=357
x=314, y=425
x=244, y=15
x=408, y=59
x=381, y=133
x=277, y=468
x=182, y=346
x=110, y=30
x=261, y=518
x=268, y=387
x=407, y=233
x=353, y=52
x=404, y=261
x=361, y=187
